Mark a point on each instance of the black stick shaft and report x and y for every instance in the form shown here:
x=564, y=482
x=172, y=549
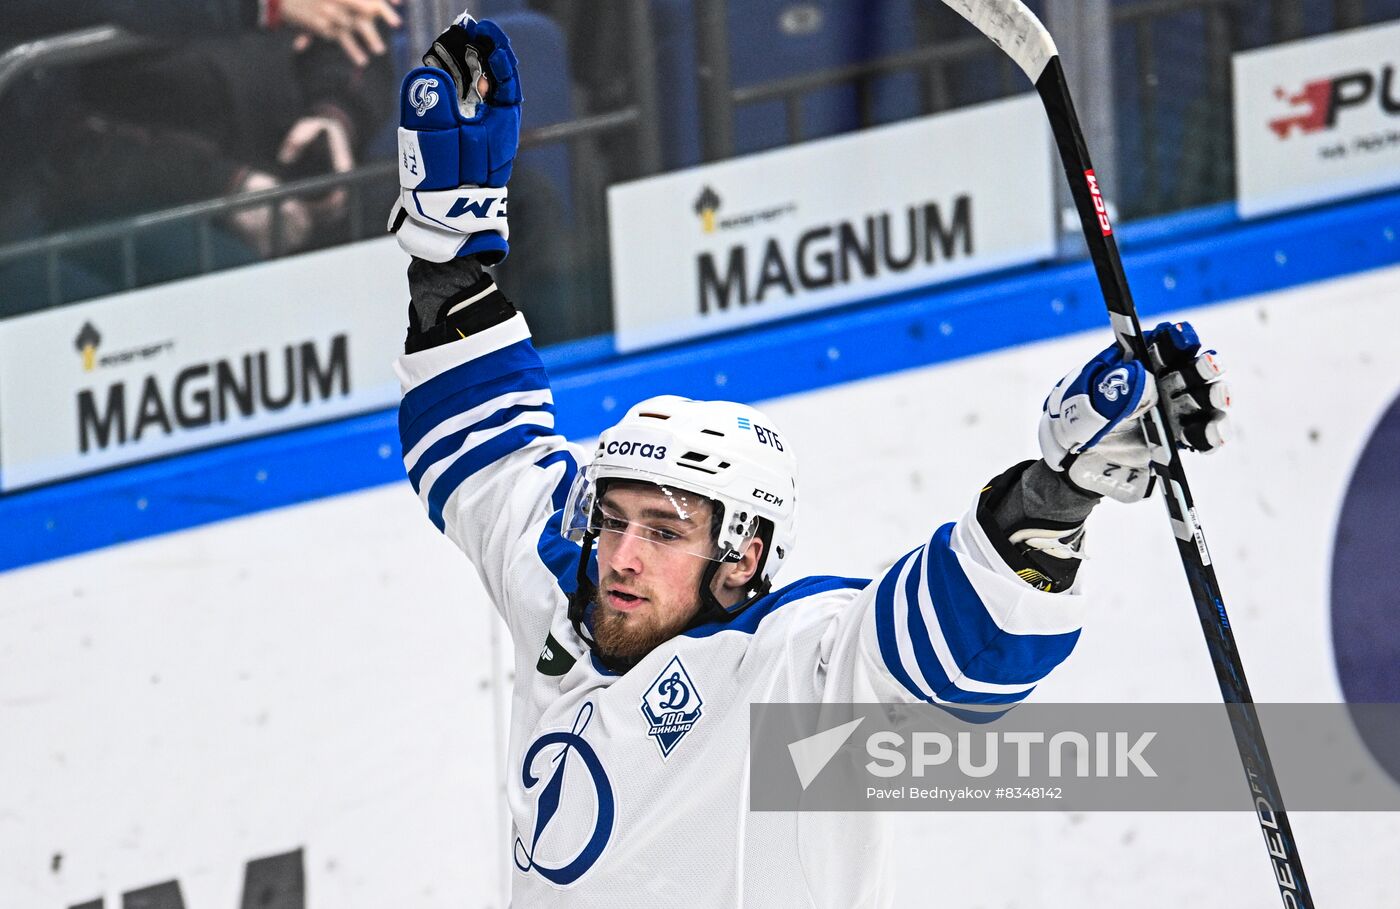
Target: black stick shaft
x=1190, y=540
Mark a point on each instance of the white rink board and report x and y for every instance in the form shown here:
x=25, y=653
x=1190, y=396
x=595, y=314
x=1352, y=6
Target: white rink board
x=162, y=375
x=774, y=241
x=1313, y=120
x=321, y=676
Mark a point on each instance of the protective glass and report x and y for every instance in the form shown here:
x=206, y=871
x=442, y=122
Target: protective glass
x=647, y=507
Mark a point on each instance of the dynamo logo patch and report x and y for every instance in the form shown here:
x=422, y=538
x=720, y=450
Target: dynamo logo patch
x=671, y=706
x=422, y=96
x=1115, y=384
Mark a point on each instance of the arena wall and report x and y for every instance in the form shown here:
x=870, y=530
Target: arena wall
x=260, y=667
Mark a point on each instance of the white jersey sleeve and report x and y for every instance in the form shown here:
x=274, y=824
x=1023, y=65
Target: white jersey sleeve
x=951, y=624
x=477, y=428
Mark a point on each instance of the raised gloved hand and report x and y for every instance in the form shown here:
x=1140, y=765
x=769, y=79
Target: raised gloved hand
x=1091, y=423
x=458, y=132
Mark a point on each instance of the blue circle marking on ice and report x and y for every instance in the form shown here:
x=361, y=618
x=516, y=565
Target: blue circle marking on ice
x=1365, y=620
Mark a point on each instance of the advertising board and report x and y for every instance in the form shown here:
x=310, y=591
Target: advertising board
x=195, y=363
x=1317, y=119
x=833, y=221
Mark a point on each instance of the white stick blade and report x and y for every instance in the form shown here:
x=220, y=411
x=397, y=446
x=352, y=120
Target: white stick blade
x=1013, y=28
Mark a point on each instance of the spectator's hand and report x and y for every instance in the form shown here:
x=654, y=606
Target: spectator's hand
x=329, y=136
x=353, y=24
x=254, y=225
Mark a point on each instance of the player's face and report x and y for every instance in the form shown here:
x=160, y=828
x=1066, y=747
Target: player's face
x=649, y=566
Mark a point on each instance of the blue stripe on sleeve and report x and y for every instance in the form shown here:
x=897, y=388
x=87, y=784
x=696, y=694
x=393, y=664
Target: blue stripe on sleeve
x=463, y=400
x=481, y=456
x=561, y=489
x=978, y=645
x=560, y=556
x=467, y=385
x=884, y=629
x=449, y=443
x=927, y=659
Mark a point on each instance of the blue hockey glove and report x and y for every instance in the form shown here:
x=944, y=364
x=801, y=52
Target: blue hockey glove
x=1091, y=423
x=457, y=143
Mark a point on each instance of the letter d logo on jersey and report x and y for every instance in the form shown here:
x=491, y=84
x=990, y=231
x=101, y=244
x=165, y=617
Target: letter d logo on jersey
x=548, y=859
x=671, y=706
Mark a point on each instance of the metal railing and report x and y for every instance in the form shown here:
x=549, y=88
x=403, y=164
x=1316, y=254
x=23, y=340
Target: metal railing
x=1199, y=173
x=1203, y=170
x=425, y=17
x=929, y=61
x=201, y=218
x=1202, y=174
x=88, y=45
x=718, y=97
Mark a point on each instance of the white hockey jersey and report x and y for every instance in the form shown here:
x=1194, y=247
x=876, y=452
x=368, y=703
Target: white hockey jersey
x=615, y=806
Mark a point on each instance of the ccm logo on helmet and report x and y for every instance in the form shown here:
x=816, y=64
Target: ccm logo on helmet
x=637, y=450
x=767, y=497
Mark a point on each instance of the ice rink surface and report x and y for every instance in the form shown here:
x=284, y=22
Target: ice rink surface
x=330, y=676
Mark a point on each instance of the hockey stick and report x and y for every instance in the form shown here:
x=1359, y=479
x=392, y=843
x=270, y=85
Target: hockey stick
x=1017, y=31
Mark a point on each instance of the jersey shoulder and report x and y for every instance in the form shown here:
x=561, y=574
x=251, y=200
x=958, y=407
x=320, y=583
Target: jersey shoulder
x=752, y=618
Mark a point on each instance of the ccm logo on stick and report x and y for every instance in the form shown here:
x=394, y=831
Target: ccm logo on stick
x=1099, y=207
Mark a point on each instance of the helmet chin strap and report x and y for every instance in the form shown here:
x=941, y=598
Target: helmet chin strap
x=584, y=591
x=710, y=608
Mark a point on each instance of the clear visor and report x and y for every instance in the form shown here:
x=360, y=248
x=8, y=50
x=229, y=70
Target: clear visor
x=649, y=508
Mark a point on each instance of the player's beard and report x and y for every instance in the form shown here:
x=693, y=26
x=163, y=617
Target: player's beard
x=632, y=635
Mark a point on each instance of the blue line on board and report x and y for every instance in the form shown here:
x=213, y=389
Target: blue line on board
x=1176, y=263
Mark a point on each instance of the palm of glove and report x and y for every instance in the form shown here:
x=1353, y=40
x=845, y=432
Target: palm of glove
x=457, y=146
x=1091, y=427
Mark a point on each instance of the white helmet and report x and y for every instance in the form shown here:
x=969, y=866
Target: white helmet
x=726, y=452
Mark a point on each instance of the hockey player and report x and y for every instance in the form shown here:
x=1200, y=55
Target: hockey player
x=638, y=578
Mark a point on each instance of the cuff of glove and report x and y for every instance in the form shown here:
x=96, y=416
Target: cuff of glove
x=451, y=301
x=433, y=244
x=490, y=248
x=1031, y=505
x=1094, y=474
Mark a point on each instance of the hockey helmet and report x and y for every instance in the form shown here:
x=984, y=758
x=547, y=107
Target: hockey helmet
x=725, y=452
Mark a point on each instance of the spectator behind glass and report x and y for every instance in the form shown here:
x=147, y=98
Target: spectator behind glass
x=225, y=115
x=45, y=109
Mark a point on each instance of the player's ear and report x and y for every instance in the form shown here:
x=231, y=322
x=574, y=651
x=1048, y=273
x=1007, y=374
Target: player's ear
x=740, y=573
